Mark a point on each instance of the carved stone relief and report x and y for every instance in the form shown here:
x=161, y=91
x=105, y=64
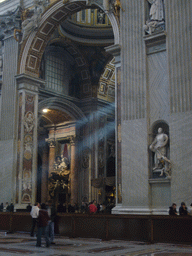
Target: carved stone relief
x=29, y=121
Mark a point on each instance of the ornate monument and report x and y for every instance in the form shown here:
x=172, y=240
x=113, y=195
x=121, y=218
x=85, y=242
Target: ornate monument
x=59, y=179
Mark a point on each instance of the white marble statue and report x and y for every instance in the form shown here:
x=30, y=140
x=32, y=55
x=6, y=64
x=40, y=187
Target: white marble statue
x=156, y=11
x=159, y=147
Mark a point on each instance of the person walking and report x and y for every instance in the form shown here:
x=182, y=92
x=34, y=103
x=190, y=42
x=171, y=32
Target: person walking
x=34, y=214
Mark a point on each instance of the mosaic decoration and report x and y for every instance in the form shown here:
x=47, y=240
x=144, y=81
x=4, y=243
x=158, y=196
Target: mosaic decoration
x=106, y=88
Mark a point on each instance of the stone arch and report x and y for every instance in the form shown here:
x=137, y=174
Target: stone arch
x=62, y=104
x=33, y=48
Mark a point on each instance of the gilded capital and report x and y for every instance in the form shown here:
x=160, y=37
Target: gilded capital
x=51, y=142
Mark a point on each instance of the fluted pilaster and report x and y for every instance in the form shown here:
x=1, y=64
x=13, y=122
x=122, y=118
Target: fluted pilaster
x=133, y=61
x=179, y=46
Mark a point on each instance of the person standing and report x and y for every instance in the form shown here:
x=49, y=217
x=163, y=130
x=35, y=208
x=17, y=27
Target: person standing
x=93, y=207
x=34, y=214
x=1, y=207
x=43, y=227
x=51, y=209
x=173, y=210
x=190, y=210
x=183, y=209
x=28, y=208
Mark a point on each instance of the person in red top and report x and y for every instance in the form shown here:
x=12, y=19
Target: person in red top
x=43, y=228
x=93, y=207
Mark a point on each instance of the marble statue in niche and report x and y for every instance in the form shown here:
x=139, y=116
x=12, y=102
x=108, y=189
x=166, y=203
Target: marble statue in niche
x=156, y=18
x=159, y=146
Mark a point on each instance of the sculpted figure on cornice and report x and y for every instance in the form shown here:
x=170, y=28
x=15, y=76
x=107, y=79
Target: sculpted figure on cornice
x=22, y=20
x=112, y=6
x=31, y=22
x=156, y=18
x=10, y=21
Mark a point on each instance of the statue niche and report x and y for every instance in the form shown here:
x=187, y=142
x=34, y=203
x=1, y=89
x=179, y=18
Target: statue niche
x=161, y=165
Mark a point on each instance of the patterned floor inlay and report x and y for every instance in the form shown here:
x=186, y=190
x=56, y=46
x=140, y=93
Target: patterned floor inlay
x=173, y=254
x=10, y=240
x=147, y=252
x=62, y=255
x=182, y=245
x=69, y=247
x=155, y=252
x=107, y=249
x=18, y=251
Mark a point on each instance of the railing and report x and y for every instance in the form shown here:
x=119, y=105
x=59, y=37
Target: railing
x=147, y=228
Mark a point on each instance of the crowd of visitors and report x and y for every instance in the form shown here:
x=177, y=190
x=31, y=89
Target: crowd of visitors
x=43, y=215
x=7, y=207
x=183, y=210
x=84, y=207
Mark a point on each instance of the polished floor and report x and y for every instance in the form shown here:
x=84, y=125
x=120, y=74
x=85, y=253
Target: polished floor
x=23, y=244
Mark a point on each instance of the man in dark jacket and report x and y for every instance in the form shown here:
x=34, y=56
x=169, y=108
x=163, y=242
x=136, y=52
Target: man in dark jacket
x=173, y=210
x=43, y=221
x=183, y=209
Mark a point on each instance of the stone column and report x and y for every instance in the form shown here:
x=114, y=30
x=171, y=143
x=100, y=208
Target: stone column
x=26, y=173
x=115, y=50
x=74, y=171
x=51, y=154
x=8, y=70
x=44, y=179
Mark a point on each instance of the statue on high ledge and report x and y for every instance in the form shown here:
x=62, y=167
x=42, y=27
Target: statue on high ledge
x=31, y=23
x=156, y=19
x=156, y=10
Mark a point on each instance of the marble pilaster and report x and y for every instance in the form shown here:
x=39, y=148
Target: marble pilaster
x=74, y=171
x=52, y=144
x=26, y=173
x=116, y=51
x=44, y=180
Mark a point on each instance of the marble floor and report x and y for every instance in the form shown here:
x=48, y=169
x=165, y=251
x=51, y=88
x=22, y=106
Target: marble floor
x=22, y=244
